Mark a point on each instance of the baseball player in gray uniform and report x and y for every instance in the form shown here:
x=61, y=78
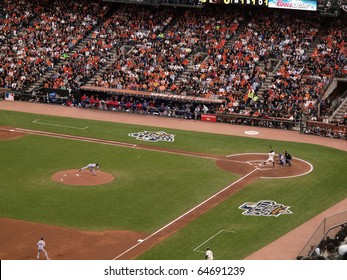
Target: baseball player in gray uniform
x=41, y=244
x=91, y=167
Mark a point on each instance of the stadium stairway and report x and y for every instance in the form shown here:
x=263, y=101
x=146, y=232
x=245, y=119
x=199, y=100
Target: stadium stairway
x=113, y=57
x=190, y=67
x=125, y=49
x=79, y=45
x=190, y=57
x=240, y=29
x=39, y=82
x=341, y=109
x=321, y=32
x=268, y=80
x=204, y=55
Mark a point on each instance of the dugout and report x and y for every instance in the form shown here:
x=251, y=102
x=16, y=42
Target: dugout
x=268, y=122
x=176, y=105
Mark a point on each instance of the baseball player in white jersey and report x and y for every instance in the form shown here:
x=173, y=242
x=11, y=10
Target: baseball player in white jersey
x=270, y=159
x=91, y=167
x=209, y=254
x=41, y=244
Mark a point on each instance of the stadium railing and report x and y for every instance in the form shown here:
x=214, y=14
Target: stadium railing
x=327, y=228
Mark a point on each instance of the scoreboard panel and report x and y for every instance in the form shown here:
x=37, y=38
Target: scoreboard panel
x=307, y=5
x=263, y=3
x=140, y=2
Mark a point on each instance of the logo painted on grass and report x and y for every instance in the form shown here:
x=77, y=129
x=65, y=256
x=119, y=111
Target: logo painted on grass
x=264, y=208
x=153, y=136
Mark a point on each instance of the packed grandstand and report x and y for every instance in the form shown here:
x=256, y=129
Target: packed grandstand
x=246, y=65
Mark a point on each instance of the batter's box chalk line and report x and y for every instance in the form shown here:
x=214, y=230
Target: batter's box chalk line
x=209, y=239
x=266, y=168
x=255, y=162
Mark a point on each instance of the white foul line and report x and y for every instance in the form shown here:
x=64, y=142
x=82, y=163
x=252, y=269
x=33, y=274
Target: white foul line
x=294, y=176
x=60, y=125
x=185, y=214
x=73, y=137
x=213, y=236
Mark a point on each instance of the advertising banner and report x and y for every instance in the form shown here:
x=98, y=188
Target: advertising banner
x=208, y=118
x=306, y=5
x=9, y=96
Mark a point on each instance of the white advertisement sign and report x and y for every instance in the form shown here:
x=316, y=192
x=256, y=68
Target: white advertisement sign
x=306, y=5
x=9, y=96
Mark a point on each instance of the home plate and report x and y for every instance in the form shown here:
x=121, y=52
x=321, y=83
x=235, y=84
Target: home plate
x=12, y=130
x=140, y=240
x=77, y=174
x=61, y=180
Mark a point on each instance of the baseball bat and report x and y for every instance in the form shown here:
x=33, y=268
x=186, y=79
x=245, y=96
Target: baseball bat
x=271, y=148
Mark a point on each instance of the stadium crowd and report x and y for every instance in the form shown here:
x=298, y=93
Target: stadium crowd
x=37, y=35
x=216, y=52
x=330, y=248
x=238, y=69
x=153, y=60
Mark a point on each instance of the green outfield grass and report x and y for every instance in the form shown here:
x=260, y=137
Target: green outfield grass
x=153, y=188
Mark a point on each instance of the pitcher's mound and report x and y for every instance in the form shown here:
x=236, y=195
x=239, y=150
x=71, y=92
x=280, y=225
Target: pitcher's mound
x=84, y=178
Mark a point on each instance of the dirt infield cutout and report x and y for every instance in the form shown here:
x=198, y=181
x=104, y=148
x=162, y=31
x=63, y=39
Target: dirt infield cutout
x=9, y=134
x=299, y=167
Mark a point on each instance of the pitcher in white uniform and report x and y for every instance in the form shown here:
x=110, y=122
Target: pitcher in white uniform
x=91, y=167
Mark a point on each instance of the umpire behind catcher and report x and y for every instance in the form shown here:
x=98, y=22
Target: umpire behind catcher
x=288, y=158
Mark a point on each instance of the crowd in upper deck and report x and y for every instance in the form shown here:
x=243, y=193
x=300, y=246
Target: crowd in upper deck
x=224, y=53
x=36, y=35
